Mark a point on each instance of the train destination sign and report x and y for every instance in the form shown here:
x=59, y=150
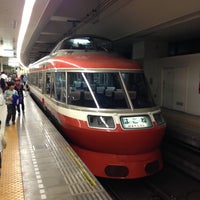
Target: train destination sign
x=136, y=122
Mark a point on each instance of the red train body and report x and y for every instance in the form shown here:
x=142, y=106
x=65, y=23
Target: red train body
x=103, y=104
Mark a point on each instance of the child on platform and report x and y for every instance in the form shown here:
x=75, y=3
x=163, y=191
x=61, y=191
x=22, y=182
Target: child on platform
x=11, y=97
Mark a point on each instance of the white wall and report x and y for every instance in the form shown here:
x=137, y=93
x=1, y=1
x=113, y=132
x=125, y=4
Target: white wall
x=175, y=82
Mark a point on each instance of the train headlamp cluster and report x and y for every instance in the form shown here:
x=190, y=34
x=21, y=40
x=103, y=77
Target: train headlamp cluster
x=128, y=122
x=101, y=121
x=159, y=118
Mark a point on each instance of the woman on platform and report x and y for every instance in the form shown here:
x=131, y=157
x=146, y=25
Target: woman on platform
x=20, y=88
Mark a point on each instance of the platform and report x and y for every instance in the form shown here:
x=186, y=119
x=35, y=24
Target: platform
x=39, y=164
x=182, y=126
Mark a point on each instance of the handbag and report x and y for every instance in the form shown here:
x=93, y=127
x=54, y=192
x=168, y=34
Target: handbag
x=4, y=142
x=1, y=99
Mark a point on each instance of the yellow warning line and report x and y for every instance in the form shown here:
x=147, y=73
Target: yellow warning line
x=11, y=178
x=86, y=175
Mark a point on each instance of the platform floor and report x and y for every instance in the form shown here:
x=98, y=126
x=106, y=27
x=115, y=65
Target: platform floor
x=39, y=164
x=11, y=178
x=182, y=126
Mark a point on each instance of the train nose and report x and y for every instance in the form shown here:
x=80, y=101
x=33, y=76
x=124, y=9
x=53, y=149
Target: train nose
x=116, y=171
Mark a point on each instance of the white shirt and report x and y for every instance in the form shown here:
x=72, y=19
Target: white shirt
x=4, y=76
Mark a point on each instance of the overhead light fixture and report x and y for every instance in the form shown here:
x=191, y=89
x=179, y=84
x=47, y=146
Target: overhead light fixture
x=59, y=18
x=63, y=19
x=27, y=11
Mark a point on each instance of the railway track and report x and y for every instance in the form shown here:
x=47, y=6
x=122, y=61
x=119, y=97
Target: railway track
x=183, y=156
x=157, y=192
x=179, y=180
x=135, y=189
x=169, y=184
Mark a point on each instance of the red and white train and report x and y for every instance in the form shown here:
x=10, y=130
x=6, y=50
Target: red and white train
x=103, y=104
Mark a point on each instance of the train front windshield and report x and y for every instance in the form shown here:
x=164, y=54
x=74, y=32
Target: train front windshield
x=108, y=90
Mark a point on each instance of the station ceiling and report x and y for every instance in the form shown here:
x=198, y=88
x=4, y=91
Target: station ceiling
x=118, y=20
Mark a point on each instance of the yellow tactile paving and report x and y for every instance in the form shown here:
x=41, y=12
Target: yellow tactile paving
x=11, y=179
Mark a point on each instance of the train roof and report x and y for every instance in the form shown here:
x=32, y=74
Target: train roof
x=86, y=61
x=84, y=52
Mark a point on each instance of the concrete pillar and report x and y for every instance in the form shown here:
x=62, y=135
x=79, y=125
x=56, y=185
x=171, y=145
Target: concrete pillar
x=1, y=60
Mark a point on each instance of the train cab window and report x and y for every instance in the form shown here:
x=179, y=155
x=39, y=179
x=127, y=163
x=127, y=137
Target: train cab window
x=138, y=90
x=60, y=86
x=84, y=43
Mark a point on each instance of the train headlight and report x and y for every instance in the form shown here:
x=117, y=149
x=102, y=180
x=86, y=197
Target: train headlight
x=101, y=121
x=159, y=118
x=136, y=122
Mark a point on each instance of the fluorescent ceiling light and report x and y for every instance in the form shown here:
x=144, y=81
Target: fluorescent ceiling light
x=27, y=11
x=13, y=62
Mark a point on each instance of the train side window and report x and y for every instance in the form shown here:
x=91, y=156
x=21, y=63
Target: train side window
x=74, y=88
x=49, y=87
x=53, y=85
x=33, y=78
x=40, y=81
x=48, y=83
x=60, y=86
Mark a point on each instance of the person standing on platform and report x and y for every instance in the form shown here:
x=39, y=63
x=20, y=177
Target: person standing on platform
x=19, y=88
x=3, y=144
x=1, y=103
x=11, y=99
x=3, y=80
x=24, y=80
x=1, y=150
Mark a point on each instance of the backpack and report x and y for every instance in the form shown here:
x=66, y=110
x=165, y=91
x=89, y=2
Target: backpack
x=15, y=99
